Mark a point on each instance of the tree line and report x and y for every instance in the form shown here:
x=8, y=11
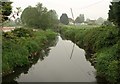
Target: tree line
x=41, y=17
x=65, y=20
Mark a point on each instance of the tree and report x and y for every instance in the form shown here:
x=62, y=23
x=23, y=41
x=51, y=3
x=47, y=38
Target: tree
x=80, y=18
x=28, y=16
x=64, y=19
x=53, y=17
x=100, y=21
x=39, y=17
x=107, y=23
x=6, y=10
x=77, y=20
x=114, y=13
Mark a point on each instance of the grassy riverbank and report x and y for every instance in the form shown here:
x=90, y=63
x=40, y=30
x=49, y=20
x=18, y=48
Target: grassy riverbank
x=20, y=46
x=102, y=43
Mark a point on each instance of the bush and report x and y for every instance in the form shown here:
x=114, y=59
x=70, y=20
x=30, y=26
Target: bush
x=107, y=63
x=21, y=32
x=18, y=45
x=104, y=43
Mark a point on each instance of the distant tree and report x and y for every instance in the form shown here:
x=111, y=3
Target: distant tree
x=0, y=12
x=114, y=13
x=39, y=17
x=107, y=23
x=77, y=20
x=80, y=18
x=64, y=19
x=53, y=17
x=28, y=16
x=100, y=21
x=6, y=10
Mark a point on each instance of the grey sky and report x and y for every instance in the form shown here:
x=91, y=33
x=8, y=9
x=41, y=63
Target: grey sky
x=91, y=8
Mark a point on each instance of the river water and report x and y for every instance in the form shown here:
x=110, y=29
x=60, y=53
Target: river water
x=58, y=67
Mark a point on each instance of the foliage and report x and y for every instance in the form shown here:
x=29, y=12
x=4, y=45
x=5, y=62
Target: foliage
x=80, y=18
x=100, y=21
x=104, y=44
x=107, y=23
x=107, y=63
x=39, y=17
x=64, y=19
x=6, y=10
x=114, y=13
x=18, y=47
x=21, y=32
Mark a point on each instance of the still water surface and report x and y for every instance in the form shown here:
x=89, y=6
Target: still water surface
x=58, y=67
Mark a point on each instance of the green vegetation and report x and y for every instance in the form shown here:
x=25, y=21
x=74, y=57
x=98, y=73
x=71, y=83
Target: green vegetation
x=103, y=43
x=114, y=13
x=39, y=17
x=21, y=45
x=80, y=19
x=6, y=10
x=64, y=19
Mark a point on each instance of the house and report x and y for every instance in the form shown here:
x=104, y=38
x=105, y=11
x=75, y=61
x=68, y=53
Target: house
x=71, y=21
x=91, y=22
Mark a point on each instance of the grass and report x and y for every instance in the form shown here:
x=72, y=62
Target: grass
x=103, y=43
x=81, y=26
x=20, y=45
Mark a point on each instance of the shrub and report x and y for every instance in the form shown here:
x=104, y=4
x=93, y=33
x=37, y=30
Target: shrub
x=104, y=42
x=18, y=45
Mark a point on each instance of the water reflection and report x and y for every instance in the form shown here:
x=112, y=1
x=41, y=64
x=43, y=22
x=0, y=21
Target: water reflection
x=17, y=71
x=57, y=66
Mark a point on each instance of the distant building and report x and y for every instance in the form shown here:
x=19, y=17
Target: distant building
x=83, y=23
x=115, y=0
x=71, y=21
x=91, y=22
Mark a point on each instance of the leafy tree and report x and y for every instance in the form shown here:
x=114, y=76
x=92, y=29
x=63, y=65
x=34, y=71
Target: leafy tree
x=114, y=13
x=0, y=12
x=6, y=10
x=53, y=17
x=39, y=17
x=28, y=16
x=64, y=19
x=80, y=18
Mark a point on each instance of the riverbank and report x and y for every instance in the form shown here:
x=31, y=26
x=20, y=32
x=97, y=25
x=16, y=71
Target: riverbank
x=56, y=66
x=20, y=46
x=102, y=44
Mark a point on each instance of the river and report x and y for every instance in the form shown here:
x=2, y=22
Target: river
x=57, y=66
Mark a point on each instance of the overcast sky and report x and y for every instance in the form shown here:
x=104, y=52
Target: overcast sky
x=90, y=8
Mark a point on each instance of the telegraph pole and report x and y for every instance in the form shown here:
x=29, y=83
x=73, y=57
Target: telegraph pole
x=74, y=37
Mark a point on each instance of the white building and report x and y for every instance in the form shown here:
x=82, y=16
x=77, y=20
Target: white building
x=115, y=0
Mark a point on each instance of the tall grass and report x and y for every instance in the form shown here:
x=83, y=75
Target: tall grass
x=19, y=45
x=103, y=42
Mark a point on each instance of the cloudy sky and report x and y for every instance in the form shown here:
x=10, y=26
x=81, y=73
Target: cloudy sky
x=90, y=8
